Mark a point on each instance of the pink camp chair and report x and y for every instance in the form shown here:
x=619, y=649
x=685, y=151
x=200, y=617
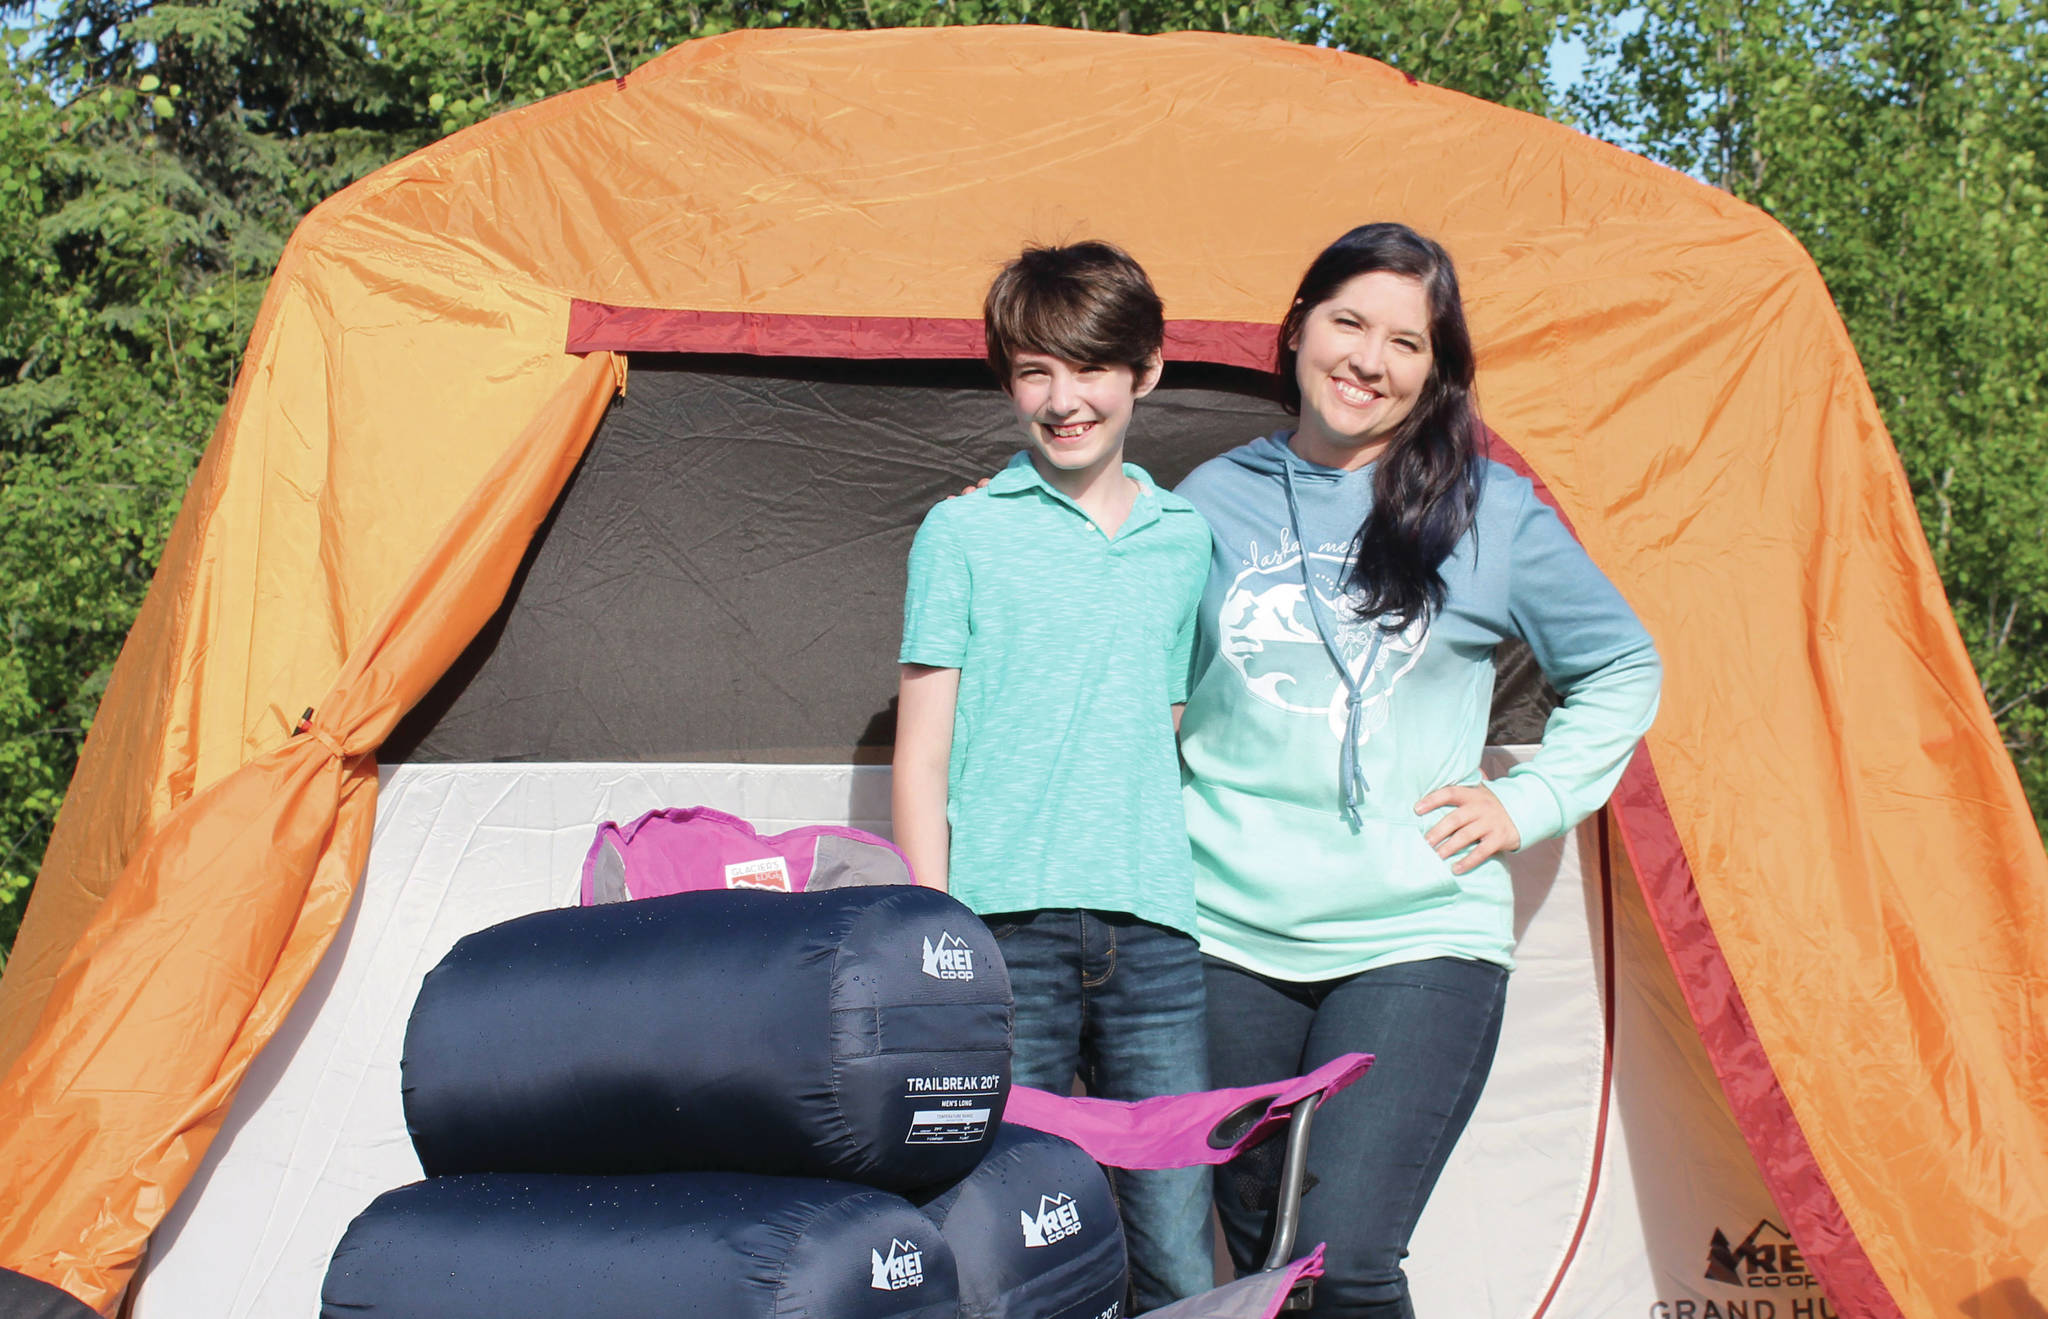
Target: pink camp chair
x=685, y=849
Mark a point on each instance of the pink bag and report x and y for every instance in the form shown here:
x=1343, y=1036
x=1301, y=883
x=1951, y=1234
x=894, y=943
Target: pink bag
x=687, y=848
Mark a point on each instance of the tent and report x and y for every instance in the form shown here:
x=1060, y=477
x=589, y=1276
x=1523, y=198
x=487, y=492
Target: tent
x=1822, y=834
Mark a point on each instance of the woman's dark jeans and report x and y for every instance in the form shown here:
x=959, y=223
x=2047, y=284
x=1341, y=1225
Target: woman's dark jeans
x=1375, y=1150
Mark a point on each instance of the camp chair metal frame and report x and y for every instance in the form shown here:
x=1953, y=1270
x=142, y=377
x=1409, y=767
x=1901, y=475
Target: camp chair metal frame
x=1287, y=1223
x=1300, y=1117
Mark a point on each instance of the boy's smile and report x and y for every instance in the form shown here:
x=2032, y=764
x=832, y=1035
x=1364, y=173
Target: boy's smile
x=1075, y=413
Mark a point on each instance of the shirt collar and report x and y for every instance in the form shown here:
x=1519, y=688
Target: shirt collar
x=1018, y=475
x=1021, y=474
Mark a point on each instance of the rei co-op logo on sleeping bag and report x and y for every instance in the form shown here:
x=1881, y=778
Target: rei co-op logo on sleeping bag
x=1269, y=636
x=948, y=959
x=1057, y=1220
x=903, y=1268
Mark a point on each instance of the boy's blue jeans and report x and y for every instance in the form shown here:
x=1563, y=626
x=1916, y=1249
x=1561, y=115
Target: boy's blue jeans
x=1118, y=1001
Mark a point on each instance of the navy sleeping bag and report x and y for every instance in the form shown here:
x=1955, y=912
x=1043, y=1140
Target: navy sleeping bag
x=715, y=1245
x=858, y=1033
x=1035, y=1231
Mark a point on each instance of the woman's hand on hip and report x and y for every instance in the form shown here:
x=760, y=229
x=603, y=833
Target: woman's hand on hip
x=1477, y=821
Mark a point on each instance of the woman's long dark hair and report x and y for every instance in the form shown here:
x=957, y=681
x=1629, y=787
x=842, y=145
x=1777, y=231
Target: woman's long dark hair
x=1426, y=487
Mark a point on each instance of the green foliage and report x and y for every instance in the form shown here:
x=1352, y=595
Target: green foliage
x=153, y=157
x=88, y=473
x=464, y=60
x=1907, y=148
x=152, y=160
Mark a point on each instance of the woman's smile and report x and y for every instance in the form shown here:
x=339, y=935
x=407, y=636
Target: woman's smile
x=1358, y=396
x=1362, y=360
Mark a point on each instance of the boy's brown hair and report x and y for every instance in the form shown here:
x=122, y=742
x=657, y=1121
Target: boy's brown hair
x=1085, y=302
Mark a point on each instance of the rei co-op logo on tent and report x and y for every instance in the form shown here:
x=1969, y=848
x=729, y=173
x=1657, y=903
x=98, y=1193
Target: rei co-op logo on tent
x=1765, y=1258
x=948, y=959
x=903, y=1268
x=1057, y=1220
x=1769, y=1269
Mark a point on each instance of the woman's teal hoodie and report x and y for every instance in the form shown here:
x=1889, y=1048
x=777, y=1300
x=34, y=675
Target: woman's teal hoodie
x=1288, y=886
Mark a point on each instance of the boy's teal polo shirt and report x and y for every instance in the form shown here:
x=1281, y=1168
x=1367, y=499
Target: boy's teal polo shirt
x=1064, y=785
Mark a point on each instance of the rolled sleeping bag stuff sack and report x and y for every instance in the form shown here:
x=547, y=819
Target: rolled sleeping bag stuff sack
x=1035, y=1232
x=859, y=1033
x=704, y=1245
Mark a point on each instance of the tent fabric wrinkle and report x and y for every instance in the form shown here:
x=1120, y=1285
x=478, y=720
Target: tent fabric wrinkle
x=1833, y=848
x=1747, y=1077
x=212, y=929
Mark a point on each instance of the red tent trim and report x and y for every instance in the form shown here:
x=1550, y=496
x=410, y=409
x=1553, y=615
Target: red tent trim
x=1783, y=1156
x=1607, y=1022
x=595, y=326
x=1813, y=1215
x=1768, y=1124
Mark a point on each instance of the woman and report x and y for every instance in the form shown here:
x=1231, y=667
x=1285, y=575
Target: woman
x=1352, y=897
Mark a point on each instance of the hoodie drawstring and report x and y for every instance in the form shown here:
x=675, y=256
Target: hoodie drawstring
x=1350, y=774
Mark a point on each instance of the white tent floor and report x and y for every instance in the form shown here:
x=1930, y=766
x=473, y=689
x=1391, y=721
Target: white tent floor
x=1565, y=1198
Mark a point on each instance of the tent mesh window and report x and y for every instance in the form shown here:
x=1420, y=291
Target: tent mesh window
x=722, y=579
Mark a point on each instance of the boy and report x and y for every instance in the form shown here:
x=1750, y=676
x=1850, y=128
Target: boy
x=1046, y=635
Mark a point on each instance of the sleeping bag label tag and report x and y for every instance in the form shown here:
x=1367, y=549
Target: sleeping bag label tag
x=951, y=1110
x=770, y=872
x=948, y=959
x=1058, y=1218
x=903, y=1268
x=947, y=1126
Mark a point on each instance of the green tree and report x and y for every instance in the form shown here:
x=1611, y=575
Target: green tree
x=465, y=60
x=1907, y=148
x=154, y=158
x=87, y=477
